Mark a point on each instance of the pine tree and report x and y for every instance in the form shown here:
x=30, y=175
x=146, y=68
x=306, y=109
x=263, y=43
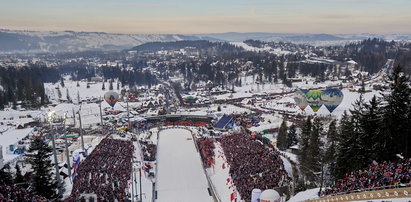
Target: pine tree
x=314, y=147
x=110, y=87
x=68, y=95
x=292, y=136
x=39, y=157
x=103, y=87
x=19, y=177
x=59, y=92
x=332, y=137
x=118, y=85
x=5, y=175
x=78, y=97
x=371, y=124
x=395, y=120
x=346, y=151
x=282, y=136
x=78, y=84
x=362, y=89
x=303, y=156
x=330, y=151
x=359, y=158
x=62, y=82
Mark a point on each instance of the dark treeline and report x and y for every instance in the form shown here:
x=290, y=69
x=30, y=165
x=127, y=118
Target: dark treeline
x=377, y=130
x=129, y=77
x=403, y=59
x=25, y=84
x=205, y=47
x=370, y=54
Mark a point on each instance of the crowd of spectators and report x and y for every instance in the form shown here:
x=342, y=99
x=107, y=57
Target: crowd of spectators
x=105, y=172
x=149, y=150
x=252, y=165
x=187, y=123
x=15, y=193
x=375, y=176
x=207, y=151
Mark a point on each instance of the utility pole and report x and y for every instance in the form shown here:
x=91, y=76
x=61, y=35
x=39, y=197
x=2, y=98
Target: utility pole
x=135, y=181
x=322, y=176
x=128, y=113
x=66, y=144
x=132, y=183
x=74, y=118
x=141, y=191
x=56, y=163
x=81, y=129
x=101, y=117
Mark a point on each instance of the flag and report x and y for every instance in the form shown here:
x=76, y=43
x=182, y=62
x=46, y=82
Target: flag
x=76, y=163
x=233, y=197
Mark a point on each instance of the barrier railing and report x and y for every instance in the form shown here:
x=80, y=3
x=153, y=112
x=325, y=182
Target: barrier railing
x=385, y=192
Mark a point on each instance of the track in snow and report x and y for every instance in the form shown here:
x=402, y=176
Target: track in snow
x=180, y=176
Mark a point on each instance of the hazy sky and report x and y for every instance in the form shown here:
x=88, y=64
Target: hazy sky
x=209, y=16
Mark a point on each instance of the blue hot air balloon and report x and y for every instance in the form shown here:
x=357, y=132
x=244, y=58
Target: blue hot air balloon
x=332, y=97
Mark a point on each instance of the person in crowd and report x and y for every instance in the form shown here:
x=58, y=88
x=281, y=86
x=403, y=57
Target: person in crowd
x=376, y=175
x=252, y=165
x=105, y=171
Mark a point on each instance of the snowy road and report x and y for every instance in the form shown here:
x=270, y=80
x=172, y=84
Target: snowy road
x=180, y=175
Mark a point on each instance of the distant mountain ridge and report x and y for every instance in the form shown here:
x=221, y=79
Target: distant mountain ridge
x=302, y=38
x=20, y=41
x=69, y=41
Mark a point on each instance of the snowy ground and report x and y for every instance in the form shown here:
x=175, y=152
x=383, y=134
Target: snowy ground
x=250, y=87
x=146, y=182
x=305, y=195
x=180, y=176
x=276, y=51
x=348, y=100
x=75, y=91
x=12, y=136
x=270, y=121
x=220, y=176
x=287, y=166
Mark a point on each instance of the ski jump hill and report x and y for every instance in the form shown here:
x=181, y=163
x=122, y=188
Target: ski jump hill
x=180, y=175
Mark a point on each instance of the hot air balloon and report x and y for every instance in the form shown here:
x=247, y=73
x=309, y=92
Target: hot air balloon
x=332, y=97
x=314, y=99
x=270, y=195
x=300, y=99
x=111, y=98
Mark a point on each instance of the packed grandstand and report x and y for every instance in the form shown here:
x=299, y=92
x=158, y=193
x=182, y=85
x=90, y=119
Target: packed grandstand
x=377, y=175
x=253, y=162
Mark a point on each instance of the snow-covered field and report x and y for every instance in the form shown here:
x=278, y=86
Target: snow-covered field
x=95, y=90
x=276, y=51
x=180, y=176
x=305, y=195
x=12, y=136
